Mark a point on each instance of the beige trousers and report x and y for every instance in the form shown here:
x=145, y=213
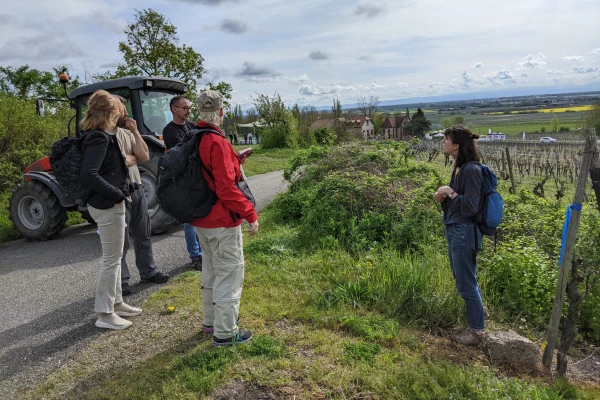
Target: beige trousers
x=222, y=278
x=111, y=227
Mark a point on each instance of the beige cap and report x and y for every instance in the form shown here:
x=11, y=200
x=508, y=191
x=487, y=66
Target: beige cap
x=210, y=100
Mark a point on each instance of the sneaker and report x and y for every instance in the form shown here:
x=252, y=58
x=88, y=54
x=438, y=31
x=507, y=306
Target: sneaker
x=158, y=277
x=125, y=310
x=468, y=337
x=112, y=321
x=126, y=289
x=197, y=263
x=241, y=337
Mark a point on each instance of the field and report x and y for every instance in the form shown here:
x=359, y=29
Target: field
x=514, y=123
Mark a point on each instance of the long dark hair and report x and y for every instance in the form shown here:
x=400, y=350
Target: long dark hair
x=467, y=146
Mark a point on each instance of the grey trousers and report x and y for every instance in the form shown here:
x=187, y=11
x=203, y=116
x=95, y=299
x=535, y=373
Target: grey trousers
x=111, y=227
x=222, y=278
x=138, y=227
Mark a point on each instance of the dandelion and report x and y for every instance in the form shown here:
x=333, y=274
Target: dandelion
x=369, y=264
x=171, y=308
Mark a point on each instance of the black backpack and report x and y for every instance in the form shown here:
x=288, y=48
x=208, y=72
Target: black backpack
x=182, y=190
x=65, y=159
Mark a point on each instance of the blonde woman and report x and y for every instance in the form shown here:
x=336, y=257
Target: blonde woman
x=104, y=171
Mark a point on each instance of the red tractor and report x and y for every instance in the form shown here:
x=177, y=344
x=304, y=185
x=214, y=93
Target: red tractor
x=38, y=206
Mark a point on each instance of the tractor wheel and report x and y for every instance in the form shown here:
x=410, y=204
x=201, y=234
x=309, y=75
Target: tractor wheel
x=36, y=212
x=159, y=220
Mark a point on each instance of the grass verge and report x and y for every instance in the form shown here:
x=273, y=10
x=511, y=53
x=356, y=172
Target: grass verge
x=300, y=348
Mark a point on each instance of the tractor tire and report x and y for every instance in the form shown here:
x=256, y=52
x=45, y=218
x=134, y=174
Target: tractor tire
x=160, y=221
x=36, y=211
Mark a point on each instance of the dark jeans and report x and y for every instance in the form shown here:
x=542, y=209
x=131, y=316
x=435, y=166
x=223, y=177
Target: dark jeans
x=463, y=261
x=138, y=226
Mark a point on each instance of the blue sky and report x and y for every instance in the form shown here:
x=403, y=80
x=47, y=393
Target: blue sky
x=313, y=51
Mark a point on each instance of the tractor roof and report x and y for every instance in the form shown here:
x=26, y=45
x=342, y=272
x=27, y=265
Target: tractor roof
x=132, y=82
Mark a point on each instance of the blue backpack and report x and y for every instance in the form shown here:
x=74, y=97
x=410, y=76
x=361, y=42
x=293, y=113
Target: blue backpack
x=492, y=204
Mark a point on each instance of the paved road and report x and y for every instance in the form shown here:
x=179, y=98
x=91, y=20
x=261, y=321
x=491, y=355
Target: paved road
x=47, y=289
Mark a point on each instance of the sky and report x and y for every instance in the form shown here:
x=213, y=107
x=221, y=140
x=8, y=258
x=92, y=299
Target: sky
x=313, y=51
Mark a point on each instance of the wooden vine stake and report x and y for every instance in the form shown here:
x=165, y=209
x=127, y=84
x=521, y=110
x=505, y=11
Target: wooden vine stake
x=565, y=267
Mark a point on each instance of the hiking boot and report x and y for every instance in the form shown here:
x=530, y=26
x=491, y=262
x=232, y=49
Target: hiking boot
x=468, y=337
x=112, y=321
x=241, y=337
x=126, y=289
x=197, y=263
x=158, y=277
x=125, y=310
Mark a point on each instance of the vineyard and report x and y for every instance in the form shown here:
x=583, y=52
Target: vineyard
x=552, y=168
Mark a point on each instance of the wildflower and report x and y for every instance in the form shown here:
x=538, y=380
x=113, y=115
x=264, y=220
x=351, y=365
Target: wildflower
x=171, y=308
x=369, y=264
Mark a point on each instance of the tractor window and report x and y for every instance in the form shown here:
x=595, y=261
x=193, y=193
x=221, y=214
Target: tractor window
x=155, y=109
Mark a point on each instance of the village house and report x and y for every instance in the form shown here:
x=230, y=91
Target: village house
x=362, y=127
x=394, y=128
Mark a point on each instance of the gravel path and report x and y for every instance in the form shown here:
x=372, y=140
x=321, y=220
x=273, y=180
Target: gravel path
x=47, y=293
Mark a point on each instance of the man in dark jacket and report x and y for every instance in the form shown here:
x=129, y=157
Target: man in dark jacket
x=220, y=232
x=172, y=134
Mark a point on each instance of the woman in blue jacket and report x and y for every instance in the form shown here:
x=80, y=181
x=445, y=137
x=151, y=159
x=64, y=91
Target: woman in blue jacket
x=104, y=172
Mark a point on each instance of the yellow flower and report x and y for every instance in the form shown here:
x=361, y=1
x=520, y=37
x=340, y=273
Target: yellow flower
x=369, y=263
x=171, y=308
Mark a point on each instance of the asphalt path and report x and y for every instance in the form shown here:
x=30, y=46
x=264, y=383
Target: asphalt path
x=47, y=293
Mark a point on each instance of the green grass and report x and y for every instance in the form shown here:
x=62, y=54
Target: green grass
x=262, y=161
x=300, y=348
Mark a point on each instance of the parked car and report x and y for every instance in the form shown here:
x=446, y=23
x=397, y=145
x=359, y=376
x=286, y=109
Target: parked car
x=547, y=139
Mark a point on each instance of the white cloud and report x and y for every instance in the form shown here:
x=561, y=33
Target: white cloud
x=533, y=61
x=502, y=77
x=478, y=65
x=574, y=59
x=595, y=52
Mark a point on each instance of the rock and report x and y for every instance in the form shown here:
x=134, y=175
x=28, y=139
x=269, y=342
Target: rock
x=512, y=349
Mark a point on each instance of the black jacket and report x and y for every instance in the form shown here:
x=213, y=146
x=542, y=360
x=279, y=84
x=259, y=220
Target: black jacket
x=103, y=170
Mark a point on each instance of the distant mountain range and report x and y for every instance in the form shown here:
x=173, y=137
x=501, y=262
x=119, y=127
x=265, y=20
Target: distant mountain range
x=513, y=92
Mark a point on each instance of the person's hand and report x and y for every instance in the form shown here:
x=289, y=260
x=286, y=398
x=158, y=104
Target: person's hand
x=253, y=230
x=442, y=193
x=130, y=160
x=131, y=125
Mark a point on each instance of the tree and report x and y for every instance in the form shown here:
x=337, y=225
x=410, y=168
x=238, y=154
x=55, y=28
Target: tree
x=271, y=110
x=336, y=110
x=419, y=124
x=151, y=49
x=28, y=83
x=282, y=127
x=554, y=122
x=448, y=122
x=593, y=118
x=368, y=106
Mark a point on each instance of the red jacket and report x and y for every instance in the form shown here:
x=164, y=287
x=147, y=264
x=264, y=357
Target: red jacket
x=219, y=157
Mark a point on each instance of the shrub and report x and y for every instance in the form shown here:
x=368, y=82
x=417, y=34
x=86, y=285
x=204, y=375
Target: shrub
x=520, y=279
